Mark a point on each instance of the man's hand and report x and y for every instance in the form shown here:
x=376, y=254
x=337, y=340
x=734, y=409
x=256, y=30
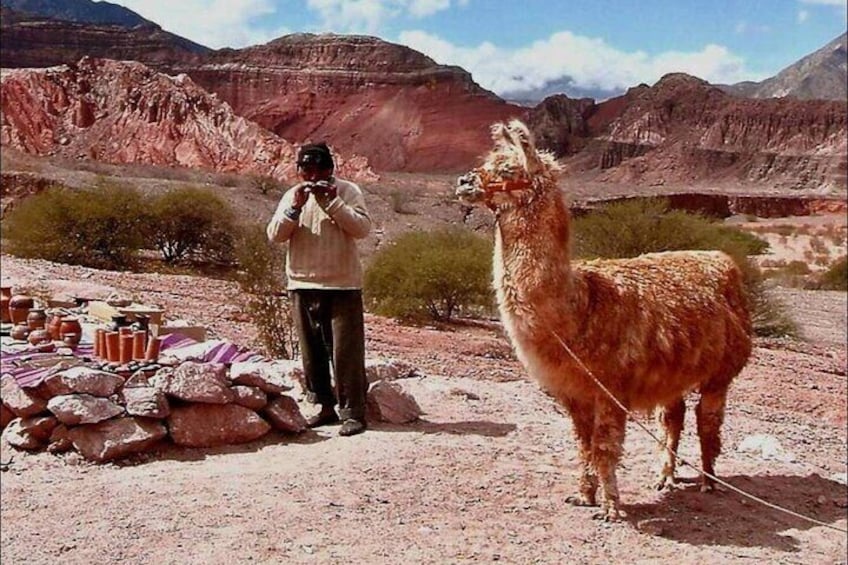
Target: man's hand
x=325, y=191
x=301, y=195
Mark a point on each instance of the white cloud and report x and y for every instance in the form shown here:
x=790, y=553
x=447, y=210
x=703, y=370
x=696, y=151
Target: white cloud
x=839, y=3
x=590, y=62
x=803, y=15
x=369, y=16
x=213, y=23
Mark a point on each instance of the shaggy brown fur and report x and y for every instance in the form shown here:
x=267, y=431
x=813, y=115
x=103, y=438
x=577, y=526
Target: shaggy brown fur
x=651, y=329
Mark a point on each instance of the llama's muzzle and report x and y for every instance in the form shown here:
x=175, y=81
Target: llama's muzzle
x=468, y=188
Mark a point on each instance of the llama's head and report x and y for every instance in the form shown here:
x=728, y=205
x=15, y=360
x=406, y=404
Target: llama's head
x=514, y=172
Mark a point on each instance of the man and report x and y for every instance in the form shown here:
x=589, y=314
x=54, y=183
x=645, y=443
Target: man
x=321, y=218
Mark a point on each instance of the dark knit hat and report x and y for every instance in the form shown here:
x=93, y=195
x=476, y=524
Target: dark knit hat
x=317, y=154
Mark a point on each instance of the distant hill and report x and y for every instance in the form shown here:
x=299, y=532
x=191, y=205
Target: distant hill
x=822, y=75
x=84, y=11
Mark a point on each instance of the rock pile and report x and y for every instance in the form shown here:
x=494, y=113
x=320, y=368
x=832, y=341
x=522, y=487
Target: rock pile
x=192, y=404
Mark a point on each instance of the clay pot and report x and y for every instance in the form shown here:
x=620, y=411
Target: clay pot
x=20, y=332
x=36, y=319
x=5, y=297
x=19, y=306
x=37, y=337
x=53, y=324
x=71, y=340
x=69, y=325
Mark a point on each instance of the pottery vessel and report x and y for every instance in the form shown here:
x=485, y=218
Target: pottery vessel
x=20, y=332
x=39, y=336
x=19, y=306
x=71, y=340
x=53, y=323
x=69, y=325
x=36, y=318
x=5, y=297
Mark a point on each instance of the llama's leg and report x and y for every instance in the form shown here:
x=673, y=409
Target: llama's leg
x=670, y=419
x=710, y=415
x=607, y=447
x=583, y=419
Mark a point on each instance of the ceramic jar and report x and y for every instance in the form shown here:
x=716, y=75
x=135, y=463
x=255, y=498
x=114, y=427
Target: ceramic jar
x=53, y=323
x=20, y=332
x=5, y=297
x=36, y=319
x=37, y=337
x=19, y=306
x=71, y=340
x=69, y=325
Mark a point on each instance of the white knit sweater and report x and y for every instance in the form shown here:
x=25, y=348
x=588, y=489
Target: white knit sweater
x=322, y=249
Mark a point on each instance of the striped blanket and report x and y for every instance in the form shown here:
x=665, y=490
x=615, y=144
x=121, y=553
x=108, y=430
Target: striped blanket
x=29, y=368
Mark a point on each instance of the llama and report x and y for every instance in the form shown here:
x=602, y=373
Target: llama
x=651, y=329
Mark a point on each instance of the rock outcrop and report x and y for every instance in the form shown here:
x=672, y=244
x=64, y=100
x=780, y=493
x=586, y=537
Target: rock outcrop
x=682, y=131
x=126, y=112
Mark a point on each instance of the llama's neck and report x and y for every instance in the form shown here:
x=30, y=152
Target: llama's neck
x=532, y=272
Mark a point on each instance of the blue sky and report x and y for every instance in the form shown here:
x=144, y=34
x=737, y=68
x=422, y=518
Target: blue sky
x=520, y=44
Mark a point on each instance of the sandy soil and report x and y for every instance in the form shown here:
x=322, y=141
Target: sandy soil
x=482, y=478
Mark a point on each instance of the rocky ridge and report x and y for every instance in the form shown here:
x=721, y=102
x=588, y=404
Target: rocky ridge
x=125, y=112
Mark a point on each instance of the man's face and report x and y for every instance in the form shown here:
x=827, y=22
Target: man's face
x=311, y=173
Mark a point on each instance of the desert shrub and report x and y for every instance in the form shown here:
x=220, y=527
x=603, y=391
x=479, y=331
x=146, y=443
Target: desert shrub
x=630, y=228
x=97, y=227
x=836, y=277
x=261, y=276
x=265, y=184
x=191, y=223
x=431, y=275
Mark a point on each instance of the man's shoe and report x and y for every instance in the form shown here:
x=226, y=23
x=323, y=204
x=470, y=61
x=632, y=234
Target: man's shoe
x=351, y=427
x=326, y=416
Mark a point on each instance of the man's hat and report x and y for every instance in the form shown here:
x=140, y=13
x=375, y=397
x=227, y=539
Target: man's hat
x=315, y=154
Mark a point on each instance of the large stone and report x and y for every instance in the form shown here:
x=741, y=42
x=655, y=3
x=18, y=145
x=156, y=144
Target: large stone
x=272, y=377
x=73, y=409
x=146, y=401
x=116, y=438
x=195, y=382
x=20, y=401
x=29, y=433
x=380, y=369
x=285, y=415
x=249, y=397
x=83, y=380
x=388, y=402
x=208, y=425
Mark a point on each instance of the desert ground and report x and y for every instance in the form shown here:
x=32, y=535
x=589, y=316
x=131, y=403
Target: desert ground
x=483, y=477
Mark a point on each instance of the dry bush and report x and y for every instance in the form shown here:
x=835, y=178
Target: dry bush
x=261, y=276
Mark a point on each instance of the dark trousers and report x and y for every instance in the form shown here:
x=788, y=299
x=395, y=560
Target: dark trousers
x=331, y=329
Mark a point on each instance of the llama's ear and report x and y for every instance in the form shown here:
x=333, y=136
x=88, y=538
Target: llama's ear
x=498, y=133
x=522, y=139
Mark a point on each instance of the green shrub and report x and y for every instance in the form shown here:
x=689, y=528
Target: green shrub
x=634, y=227
x=191, y=223
x=836, y=277
x=99, y=227
x=431, y=275
x=631, y=228
x=261, y=276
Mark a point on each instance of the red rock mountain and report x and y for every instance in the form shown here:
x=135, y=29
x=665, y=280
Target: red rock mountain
x=683, y=130
x=385, y=101
x=125, y=112
x=405, y=112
